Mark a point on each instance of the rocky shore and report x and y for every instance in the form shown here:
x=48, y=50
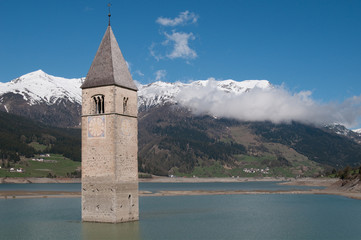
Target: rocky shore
x=39, y=180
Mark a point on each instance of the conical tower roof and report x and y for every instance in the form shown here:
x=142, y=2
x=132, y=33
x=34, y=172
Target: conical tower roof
x=109, y=66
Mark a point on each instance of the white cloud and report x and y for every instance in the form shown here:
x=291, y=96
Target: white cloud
x=178, y=47
x=128, y=65
x=274, y=104
x=138, y=84
x=160, y=74
x=180, y=43
x=183, y=18
x=152, y=52
x=139, y=73
x=176, y=44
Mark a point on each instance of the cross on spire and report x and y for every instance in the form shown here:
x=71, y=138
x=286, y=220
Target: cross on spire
x=109, y=15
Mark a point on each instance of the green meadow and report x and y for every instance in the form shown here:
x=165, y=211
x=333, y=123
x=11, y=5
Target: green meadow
x=58, y=166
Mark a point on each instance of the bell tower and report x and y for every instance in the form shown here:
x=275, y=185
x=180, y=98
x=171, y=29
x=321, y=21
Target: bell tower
x=109, y=138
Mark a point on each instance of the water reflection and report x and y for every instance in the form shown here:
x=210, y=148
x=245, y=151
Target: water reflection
x=110, y=231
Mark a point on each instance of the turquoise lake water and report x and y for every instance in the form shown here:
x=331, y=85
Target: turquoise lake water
x=271, y=216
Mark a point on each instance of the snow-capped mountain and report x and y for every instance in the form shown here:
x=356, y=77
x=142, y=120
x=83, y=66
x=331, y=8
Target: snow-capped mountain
x=40, y=88
x=42, y=97
x=159, y=93
x=339, y=129
x=57, y=101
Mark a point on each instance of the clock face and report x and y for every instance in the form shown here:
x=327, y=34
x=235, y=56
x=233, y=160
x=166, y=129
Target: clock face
x=96, y=127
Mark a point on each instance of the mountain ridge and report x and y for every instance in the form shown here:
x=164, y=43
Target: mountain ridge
x=38, y=86
x=57, y=101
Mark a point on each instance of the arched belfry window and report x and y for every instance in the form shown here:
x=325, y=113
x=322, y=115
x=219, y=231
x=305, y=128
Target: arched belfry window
x=125, y=104
x=98, y=101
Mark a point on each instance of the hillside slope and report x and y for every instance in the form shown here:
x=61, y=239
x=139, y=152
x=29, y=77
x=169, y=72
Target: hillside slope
x=172, y=140
x=18, y=133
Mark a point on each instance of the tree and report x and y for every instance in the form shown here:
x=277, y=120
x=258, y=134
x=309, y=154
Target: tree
x=345, y=174
x=14, y=157
x=23, y=139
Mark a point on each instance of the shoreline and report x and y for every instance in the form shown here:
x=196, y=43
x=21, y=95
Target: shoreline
x=352, y=195
x=332, y=187
x=55, y=194
x=158, y=179
x=22, y=180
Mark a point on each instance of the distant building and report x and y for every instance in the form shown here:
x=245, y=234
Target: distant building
x=38, y=159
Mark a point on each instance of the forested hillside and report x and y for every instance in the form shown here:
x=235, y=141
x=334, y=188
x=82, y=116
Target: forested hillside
x=317, y=144
x=22, y=137
x=174, y=141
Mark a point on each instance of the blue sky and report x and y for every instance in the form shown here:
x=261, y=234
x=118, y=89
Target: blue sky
x=306, y=45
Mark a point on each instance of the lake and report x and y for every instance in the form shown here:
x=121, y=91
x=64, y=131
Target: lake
x=273, y=216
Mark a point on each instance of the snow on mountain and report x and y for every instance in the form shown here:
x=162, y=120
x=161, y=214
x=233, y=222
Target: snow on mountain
x=158, y=93
x=39, y=87
x=357, y=130
x=339, y=129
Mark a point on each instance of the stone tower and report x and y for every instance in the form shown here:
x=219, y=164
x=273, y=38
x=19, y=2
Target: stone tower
x=109, y=138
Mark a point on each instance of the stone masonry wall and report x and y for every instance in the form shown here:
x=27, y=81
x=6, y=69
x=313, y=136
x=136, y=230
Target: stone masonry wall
x=109, y=156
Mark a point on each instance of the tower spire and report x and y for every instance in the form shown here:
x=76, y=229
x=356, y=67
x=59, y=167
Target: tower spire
x=109, y=66
x=109, y=15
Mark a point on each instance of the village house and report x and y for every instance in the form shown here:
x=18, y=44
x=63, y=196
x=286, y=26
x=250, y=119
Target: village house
x=19, y=170
x=256, y=170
